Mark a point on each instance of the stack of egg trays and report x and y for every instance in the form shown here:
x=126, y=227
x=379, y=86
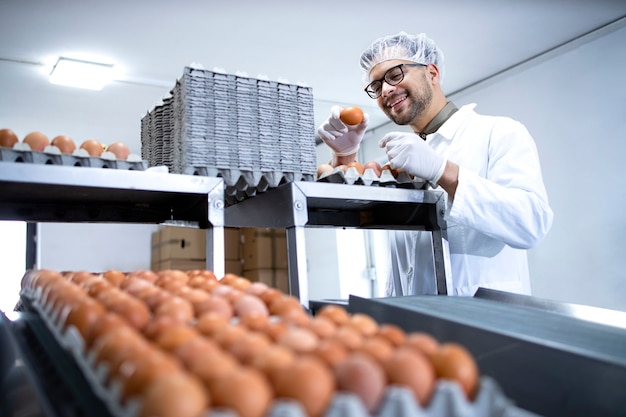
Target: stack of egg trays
x=57, y=158
x=386, y=179
x=228, y=122
x=447, y=400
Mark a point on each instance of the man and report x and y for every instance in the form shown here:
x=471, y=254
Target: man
x=496, y=202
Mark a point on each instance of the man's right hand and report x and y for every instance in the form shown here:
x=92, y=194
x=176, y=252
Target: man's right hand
x=343, y=139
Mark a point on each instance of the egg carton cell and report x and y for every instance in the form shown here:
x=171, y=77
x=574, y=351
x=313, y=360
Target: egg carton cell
x=241, y=184
x=50, y=157
x=369, y=178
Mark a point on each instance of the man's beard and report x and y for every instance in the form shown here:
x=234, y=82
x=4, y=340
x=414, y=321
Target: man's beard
x=418, y=105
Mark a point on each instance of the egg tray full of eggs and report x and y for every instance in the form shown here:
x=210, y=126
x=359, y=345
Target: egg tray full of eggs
x=242, y=184
x=187, y=344
x=36, y=148
x=369, y=174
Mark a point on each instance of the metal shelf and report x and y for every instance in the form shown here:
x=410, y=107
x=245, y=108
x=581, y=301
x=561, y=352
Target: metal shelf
x=296, y=205
x=67, y=194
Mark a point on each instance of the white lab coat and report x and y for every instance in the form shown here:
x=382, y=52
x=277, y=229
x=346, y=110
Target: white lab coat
x=500, y=209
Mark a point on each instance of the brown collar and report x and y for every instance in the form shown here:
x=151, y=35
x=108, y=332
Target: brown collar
x=444, y=114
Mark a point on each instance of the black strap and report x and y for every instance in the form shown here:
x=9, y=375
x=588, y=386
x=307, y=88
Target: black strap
x=444, y=114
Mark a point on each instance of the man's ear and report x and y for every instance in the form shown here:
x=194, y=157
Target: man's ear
x=433, y=73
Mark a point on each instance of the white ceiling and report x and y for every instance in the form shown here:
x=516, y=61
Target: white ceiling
x=316, y=42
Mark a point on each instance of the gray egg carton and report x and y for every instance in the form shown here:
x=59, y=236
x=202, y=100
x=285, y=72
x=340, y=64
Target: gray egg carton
x=369, y=178
x=78, y=159
x=217, y=122
x=241, y=184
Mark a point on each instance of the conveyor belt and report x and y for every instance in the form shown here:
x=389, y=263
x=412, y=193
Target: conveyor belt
x=548, y=363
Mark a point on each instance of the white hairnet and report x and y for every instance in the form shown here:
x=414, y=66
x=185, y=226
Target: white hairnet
x=416, y=48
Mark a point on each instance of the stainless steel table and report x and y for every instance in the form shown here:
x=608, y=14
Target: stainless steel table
x=66, y=194
x=296, y=205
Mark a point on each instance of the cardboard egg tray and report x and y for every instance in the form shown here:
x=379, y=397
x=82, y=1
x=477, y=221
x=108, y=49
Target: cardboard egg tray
x=241, y=184
x=447, y=401
x=369, y=178
x=52, y=156
x=222, y=122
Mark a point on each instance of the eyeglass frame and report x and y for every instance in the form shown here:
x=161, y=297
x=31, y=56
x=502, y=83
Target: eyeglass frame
x=368, y=89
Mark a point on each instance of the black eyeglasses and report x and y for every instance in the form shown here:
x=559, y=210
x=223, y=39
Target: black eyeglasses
x=393, y=76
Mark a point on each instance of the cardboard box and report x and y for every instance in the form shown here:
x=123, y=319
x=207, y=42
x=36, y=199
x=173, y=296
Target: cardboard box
x=181, y=264
x=264, y=249
x=232, y=243
x=182, y=243
x=257, y=249
x=233, y=267
x=275, y=278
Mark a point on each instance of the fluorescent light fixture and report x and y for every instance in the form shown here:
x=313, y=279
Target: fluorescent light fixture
x=81, y=74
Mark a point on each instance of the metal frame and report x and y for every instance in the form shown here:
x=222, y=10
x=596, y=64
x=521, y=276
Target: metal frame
x=296, y=205
x=50, y=193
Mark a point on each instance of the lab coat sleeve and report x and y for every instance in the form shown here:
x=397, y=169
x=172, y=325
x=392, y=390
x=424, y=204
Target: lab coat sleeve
x=509, y=201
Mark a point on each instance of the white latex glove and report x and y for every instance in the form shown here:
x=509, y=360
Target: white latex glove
x=409, y=152
x=340, y=137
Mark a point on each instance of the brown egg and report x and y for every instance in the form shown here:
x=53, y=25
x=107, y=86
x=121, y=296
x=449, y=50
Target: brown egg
x=300, y=340
x=8, y=138
x=211, y=323
x=357, y=165
x=215, y=304
x=93, y=147
x=374, y=166
x=272, y=359
x=255, y=321
x=228, y=335
x=284, y=304
x=138, y=372
x=413, y=370
x=350, y=337
x=119, y=149
x=196, y=349
x=365, y=324
x=271, y=295
x=84, y=314
x=103, y=325
x=351, y=115
x=363, y=376
x=150, y=276
x=324, y=169
x=332, y=352
x=178, y=394
x=387, y=167
x=245, y=391
x=212, y=369
x=423, y=342
x=114, y=277
x=64, y=143
x=247, y=304
x=454, y=362
x=205, y=274
x=36, y=140
x=157, y=326
x=378, y=348
x=171, y=338
x=251, y=345
x=323, y=327
x=309, y=381
x=392, y=333
x=176, y=308
x=275, y=329
x=337, y=314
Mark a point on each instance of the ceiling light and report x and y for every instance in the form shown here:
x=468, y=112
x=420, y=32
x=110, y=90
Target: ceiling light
x=81, y=74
